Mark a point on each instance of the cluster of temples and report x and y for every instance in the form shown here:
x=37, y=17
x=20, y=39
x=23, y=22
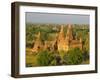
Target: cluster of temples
x=60, y=43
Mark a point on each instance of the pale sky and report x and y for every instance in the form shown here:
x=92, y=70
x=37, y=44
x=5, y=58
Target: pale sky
x=44, y=18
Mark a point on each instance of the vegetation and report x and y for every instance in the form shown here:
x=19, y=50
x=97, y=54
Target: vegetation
x=73, y=56
x=48, y=58
x=44, y=58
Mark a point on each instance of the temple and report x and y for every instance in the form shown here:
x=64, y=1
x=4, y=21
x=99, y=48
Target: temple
x=60, y=43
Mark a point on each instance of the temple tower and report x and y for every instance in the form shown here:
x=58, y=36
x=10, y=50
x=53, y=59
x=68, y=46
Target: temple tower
x=37, y=44
x=62, y=44
x=69, y=35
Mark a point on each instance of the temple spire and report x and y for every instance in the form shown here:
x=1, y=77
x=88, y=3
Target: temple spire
x=69, y=32
x=61, y=30
x=61, y=34
x=38, y=35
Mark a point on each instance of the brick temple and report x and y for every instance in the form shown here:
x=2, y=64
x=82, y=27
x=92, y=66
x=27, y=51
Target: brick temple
x=60, y=43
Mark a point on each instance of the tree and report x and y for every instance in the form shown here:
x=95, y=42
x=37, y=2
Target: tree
x=86, y=45
x=56, y=59
x=62, y=54
x=85, y=55
x=44, y=58
x=73, y=56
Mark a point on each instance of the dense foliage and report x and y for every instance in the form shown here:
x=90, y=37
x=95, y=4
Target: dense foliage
x=73, y=56
x=44, y=58
x=47, y=58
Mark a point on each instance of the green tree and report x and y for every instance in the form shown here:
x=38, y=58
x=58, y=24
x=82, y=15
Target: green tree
x=62, y=54
x=44, y=58
x=53, y=62
x=73, y=56
x=86, y=45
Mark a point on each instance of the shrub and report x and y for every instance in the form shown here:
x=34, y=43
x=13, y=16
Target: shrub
x=44, y=58
x=85, y=55
x=73, y=56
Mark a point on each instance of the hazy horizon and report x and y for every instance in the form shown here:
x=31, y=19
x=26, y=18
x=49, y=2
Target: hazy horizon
x=50, y=18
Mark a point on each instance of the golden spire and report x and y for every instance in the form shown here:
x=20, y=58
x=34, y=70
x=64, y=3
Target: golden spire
x=38, y=35
x=61, y=30
x=69, y=26
x=69, y=32
x=61, y=34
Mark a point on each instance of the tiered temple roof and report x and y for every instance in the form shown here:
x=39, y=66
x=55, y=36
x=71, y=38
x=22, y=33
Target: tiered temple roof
x=60, y=42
